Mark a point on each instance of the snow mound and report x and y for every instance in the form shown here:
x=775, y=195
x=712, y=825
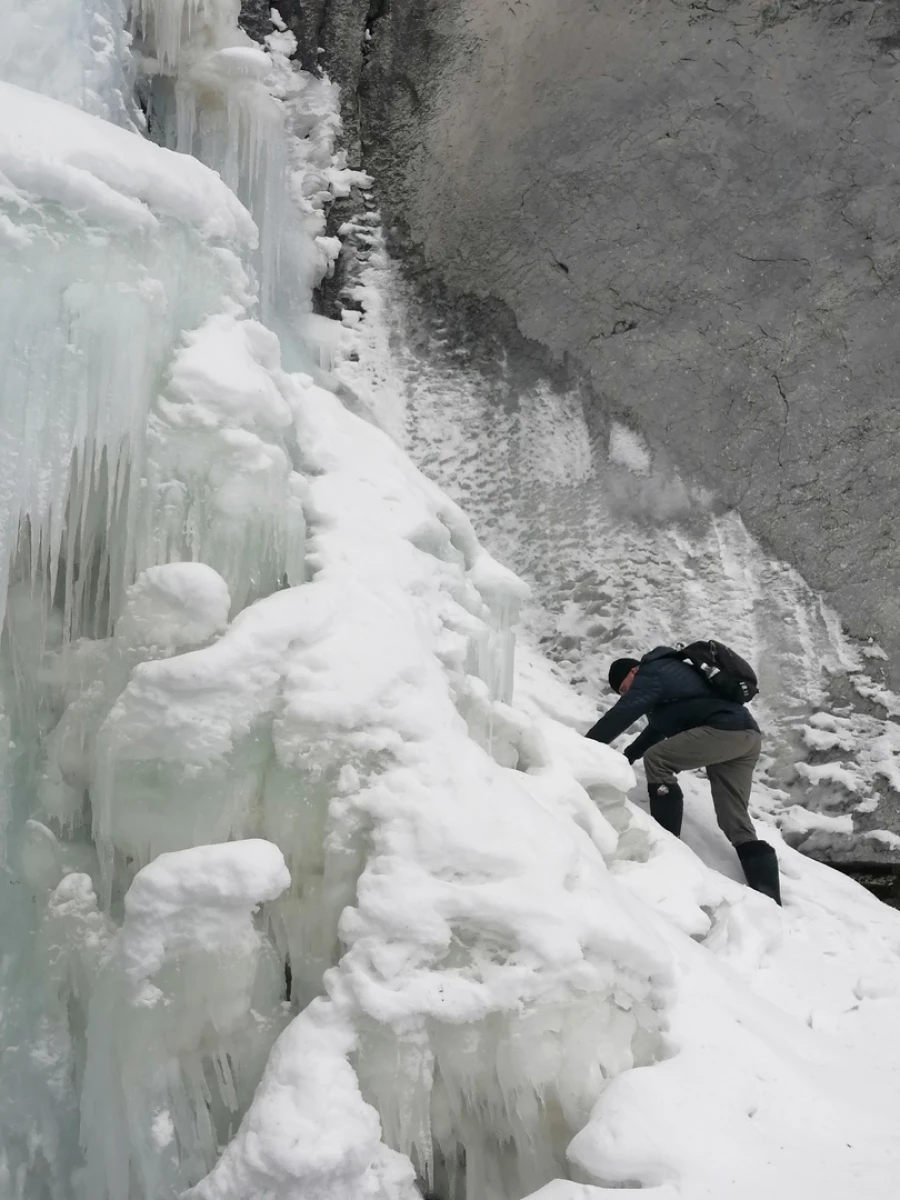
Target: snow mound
x=195, y=899
x=187, y=984
x=173, y=606
x=112, y=178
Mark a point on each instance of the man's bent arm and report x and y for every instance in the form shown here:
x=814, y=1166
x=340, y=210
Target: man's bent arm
x=645, y=739
x=637, y=702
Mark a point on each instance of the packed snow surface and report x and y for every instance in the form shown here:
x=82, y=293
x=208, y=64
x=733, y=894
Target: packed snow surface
x=315, y=888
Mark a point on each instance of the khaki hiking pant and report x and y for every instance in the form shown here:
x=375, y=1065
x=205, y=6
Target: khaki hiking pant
x=729, y=756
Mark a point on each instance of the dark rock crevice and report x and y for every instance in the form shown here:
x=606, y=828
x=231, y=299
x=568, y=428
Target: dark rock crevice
x=882, y=879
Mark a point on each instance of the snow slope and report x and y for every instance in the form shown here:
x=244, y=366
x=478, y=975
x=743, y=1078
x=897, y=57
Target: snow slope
x=314, y=887
x=620, y=554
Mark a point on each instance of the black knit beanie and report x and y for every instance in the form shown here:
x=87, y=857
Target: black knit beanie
x=619, y=670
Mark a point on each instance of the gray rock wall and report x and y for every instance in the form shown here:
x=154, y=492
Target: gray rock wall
x=696, y=203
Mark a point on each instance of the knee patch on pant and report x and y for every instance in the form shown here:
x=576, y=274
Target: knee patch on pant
x=666, y=805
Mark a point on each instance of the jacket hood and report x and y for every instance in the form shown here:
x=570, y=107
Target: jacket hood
x=658, y=652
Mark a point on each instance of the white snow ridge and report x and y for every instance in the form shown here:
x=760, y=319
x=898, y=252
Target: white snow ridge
x=313, y=889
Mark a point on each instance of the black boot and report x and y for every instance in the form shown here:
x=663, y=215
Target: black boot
x=666, y=805
x=760, y=864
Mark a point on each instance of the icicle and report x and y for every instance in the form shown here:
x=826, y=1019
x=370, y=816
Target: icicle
x=171, y=26
x=199, y=58
x=80, y=380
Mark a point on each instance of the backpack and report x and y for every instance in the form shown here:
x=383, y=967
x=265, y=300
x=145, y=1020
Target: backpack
x=729, y=675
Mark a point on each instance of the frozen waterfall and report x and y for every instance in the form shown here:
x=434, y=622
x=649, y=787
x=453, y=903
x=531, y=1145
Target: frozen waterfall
x=237, y=612
x=313, y=890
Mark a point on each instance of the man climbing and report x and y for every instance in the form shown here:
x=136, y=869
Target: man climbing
x=691, y=726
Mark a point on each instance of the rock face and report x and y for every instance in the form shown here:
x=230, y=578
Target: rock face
x=693, y=203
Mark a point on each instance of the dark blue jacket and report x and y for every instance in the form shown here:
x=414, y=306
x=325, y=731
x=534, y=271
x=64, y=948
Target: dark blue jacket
x=673, y=696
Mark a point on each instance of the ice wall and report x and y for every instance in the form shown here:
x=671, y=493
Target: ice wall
x=111, y=248
x=470, y=971
x=243, y=632
x=210, y=91
x=74, y=52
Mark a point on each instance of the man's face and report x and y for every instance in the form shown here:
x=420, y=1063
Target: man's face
x=627, y=681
